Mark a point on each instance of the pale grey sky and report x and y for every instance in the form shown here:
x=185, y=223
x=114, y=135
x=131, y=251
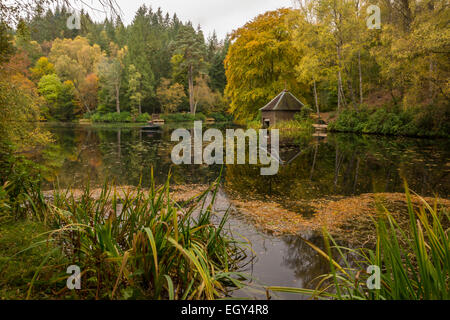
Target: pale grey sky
x=220, y=15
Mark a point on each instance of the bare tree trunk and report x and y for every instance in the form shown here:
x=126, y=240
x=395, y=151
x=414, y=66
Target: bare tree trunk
x=195, y=107
x=350, y=88
x=191, y=90
x=352, y=93
x=118, y=98
x=360, y=79
x=316, y=100
x=341, y=101
x=341, y=97
x=83, y=101
x=87, y=107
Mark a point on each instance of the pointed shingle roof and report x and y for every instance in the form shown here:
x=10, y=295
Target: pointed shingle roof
x=285, y=101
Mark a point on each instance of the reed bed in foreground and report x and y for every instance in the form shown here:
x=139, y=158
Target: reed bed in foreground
x=414, y=263
x=142, y=245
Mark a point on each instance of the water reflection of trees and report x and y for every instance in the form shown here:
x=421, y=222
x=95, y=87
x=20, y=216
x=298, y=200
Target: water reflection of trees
x=343, y=164
x=303, y=260
x=348, y=165
x=112, y=153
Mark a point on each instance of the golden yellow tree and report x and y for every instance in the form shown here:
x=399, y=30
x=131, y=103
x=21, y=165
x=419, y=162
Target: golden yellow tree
x=169, y=95
x=261, y=62
x=75, y=60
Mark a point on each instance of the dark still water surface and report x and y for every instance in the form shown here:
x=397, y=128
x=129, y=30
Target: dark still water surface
x=338, y=165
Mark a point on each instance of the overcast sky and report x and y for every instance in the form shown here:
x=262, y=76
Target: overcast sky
x=221, y=15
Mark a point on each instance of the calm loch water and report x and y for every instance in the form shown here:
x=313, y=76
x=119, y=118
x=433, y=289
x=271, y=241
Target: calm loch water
x=338, y=165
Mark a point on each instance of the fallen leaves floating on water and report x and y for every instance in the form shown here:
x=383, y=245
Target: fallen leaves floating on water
x=349, y=219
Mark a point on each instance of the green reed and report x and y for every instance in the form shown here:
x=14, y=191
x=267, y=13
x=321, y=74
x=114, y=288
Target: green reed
x=142, y=244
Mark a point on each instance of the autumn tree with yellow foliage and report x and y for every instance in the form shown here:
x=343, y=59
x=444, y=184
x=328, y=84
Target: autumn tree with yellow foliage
x=170, y=95
x=261, y=62
x=77, y=61
x=326, y=53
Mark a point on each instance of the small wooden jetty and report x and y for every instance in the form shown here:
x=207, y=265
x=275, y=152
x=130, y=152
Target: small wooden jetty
x=320, y=127
x=156, y=119
x=85, y=121
x=155, y=124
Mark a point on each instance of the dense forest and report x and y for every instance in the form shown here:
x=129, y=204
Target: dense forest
x=392, y=79
x=155, y=64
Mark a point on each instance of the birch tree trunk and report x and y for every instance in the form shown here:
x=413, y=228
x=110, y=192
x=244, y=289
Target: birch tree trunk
x=118, y=97
x=341, y=97
x=352, y=93
x=191, y=90
x=87, y=107
x=316, y=100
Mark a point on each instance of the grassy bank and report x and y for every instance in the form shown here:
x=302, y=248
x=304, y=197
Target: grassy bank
x=188, y=117
x=415, y=123
x=122, y=117
x=127, y=117
x=183, y=117
x=28, y=262
x=293, y=125
x=300, y=124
